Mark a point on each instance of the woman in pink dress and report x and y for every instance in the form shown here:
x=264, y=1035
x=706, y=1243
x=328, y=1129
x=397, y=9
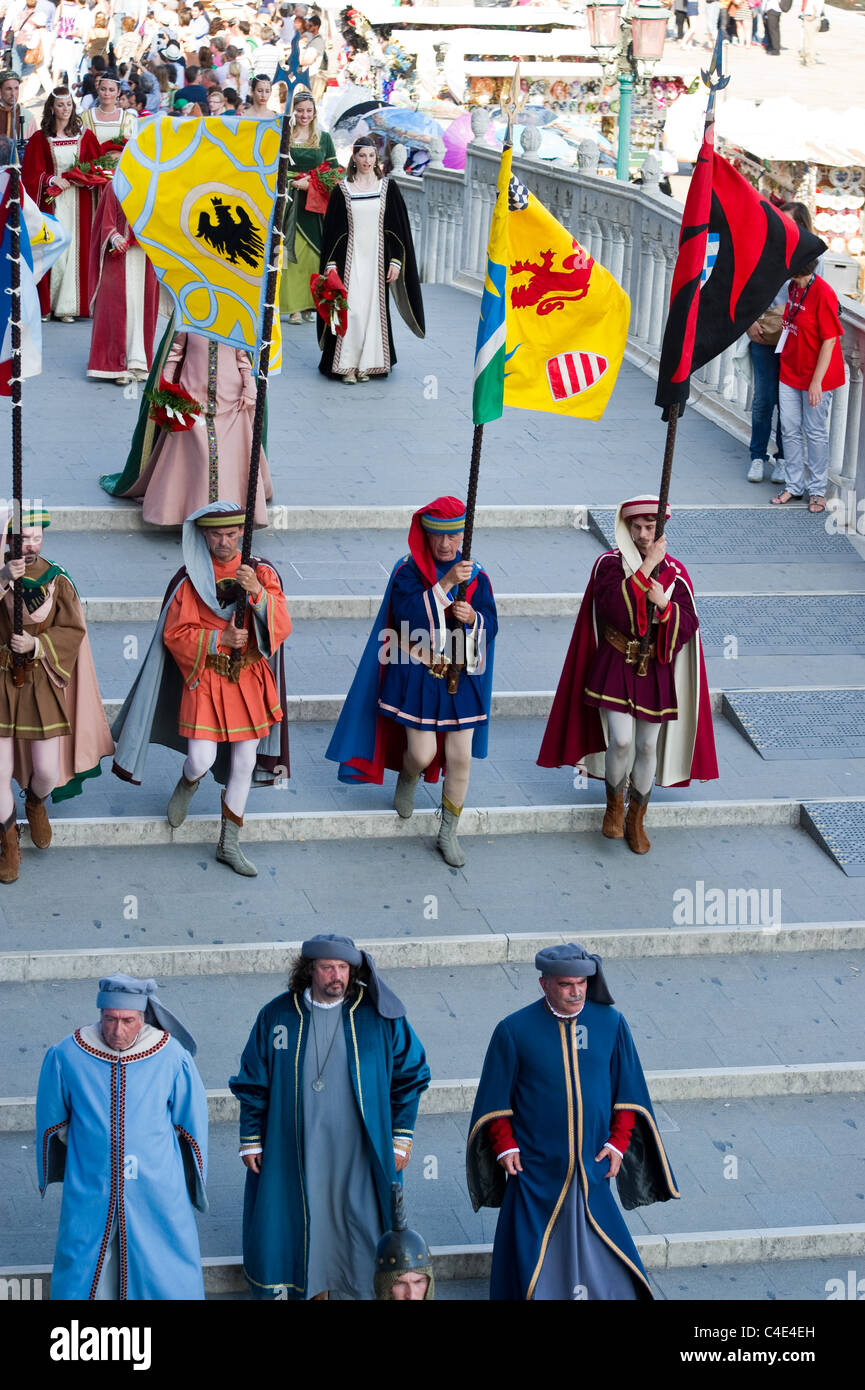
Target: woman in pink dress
x=185, y=470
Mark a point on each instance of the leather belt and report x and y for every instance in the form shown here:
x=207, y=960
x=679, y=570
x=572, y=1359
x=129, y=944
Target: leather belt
x=222, y=664
x=629, y=646
x=26, y=671
x=438, y=666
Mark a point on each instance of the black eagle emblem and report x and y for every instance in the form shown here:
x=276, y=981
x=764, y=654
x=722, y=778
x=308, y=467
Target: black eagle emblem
x=233, y=235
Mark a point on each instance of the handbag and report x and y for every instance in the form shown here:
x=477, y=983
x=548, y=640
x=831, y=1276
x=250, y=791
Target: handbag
x=785, y=5
x=34, y=56
x=770, y=323
x=824, y=26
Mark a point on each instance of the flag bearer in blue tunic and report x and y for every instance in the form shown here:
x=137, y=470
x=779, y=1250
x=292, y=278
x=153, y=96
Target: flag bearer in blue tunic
x=121, y=1121
x=329, y=1086
x=561, y=1109
x=420, y=699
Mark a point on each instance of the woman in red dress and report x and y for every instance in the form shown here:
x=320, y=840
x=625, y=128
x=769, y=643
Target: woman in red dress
x=49, y=156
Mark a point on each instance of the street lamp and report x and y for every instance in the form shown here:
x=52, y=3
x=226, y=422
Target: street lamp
x=628, y=39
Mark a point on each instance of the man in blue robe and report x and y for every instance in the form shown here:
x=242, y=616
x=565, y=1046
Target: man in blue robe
x=561, y=1109
x=121, y=1121
x=420, y=699
x=329, y=1086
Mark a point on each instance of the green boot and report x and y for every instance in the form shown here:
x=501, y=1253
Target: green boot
x=180, y=799
x=403, y=797
x=447, y=843
x=228, y=850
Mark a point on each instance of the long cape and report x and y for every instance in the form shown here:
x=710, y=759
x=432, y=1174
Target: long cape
x=389, y=1073
x=150, y=710
x=553, y=1093
x=365, y=741
x=576, y=733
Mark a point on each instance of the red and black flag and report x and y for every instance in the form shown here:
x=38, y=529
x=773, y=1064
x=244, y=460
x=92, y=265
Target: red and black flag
x=736, y=249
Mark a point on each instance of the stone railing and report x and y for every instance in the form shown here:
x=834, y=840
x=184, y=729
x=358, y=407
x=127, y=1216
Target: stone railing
x=632, y=230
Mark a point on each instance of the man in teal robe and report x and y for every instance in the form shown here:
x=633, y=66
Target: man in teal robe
x=329, y=1086
x=562, y=1108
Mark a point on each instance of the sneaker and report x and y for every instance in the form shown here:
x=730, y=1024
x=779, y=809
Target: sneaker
x=778, y=475
x=755, y=472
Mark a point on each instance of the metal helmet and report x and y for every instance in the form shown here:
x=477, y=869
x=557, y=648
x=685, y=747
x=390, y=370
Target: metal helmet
x=401, y=1251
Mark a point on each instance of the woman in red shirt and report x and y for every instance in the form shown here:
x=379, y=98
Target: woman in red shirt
x=811, y=367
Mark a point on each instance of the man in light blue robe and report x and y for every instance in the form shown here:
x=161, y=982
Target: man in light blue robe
x=329, y=1086
x=121, y=1121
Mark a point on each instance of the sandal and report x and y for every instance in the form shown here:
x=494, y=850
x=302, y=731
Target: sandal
x=786, y=496
x=817, y=504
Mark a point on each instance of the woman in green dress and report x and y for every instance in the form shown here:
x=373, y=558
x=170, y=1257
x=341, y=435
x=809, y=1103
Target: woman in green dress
x=310, y=148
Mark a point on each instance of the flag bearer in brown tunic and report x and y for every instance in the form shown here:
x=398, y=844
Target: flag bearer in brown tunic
x=52, y=727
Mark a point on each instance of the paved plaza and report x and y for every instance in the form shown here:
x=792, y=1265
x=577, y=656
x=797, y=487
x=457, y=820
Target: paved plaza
x=754, y=1040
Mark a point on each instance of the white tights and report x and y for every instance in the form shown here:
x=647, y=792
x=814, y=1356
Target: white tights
x=421, y=749
x=621, y=733
x=201, y=756
x=45, y=756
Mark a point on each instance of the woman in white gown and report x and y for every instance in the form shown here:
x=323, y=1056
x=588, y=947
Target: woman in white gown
x=366, y=238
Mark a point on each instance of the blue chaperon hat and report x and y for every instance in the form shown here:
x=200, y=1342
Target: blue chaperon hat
x=125, y=992
x=327, y=946
x=574, y=960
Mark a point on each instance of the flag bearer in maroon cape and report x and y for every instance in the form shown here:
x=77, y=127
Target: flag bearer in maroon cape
x=609, y=713
x=400, y=711
x=736, y=250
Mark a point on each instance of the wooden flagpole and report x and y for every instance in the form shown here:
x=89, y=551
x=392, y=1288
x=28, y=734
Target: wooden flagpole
x=274, y=257
x=510, y=106
x=717, y=85
x=14, y=223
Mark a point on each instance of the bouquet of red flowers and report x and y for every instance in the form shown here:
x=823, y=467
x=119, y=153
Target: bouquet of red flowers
x=329, y=297
x=172, y=408
x=322, y=182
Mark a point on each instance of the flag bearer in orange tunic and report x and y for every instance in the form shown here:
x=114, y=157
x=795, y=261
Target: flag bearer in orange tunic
x=232, y=726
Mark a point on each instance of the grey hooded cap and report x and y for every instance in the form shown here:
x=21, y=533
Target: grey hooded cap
x=328, y=946
x=125, y=992
x=574, y=961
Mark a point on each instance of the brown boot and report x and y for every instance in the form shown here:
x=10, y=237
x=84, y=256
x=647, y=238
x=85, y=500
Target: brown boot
x=615, y=813
x=634, y=832
x=37, y=819
x=10, y=852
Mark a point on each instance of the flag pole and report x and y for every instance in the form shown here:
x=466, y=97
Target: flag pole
x=510, y=105
x=715, y=67
x=274, y=257
x=14, y=215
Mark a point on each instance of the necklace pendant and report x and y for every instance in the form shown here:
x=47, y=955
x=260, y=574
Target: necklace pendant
x=318, y=1084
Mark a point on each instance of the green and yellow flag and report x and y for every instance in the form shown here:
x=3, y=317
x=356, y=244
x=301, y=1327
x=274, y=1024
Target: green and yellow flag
x=199, y=196
x=553, y=322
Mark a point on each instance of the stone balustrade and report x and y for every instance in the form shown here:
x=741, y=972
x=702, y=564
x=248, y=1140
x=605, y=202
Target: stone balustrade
x=632, y=230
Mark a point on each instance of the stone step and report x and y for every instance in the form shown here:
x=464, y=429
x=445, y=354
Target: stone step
x=323, y=655
x=177, y=895
x=122, y=516
x=508, y=777
x=724, y=1265
x=743, y=1165
x=763, y=1009
x=550, y=560
x=18, y=1114
x=830, y=618
x=140, y=832
x=242, y=958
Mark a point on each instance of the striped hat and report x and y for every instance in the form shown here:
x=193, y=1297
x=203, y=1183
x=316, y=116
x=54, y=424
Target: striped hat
x=235, y=517
x=446, y=516
x=30, y=518
x=641, y=506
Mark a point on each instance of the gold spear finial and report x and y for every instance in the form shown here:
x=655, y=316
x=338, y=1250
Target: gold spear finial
x=513, y=104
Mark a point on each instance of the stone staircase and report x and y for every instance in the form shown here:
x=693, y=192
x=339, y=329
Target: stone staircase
x=746, y=1006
